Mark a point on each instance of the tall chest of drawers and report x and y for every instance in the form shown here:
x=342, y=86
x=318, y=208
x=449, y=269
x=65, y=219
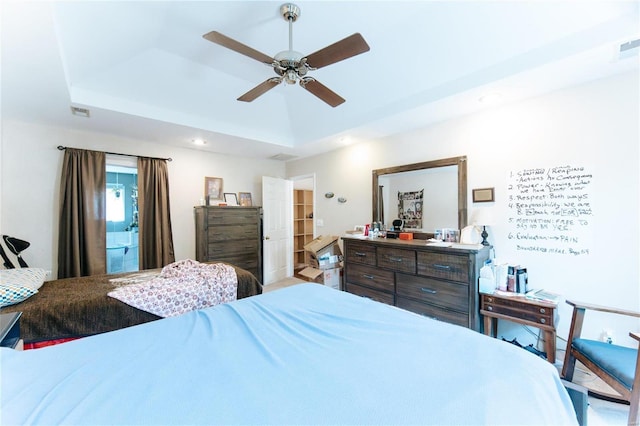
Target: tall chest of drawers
x=438, y=282
x=230, y=234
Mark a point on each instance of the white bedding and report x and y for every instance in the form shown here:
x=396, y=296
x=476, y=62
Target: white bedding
x=306, y=354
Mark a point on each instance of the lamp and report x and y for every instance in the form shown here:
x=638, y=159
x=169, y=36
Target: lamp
x=482, y=217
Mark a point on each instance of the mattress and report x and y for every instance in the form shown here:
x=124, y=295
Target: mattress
x=78, y=307
x=306, y=354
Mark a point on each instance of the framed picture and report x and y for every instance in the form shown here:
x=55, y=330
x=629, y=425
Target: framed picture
x=245, y=199
x=483, y=195
x=213, y=188
x=230, y=198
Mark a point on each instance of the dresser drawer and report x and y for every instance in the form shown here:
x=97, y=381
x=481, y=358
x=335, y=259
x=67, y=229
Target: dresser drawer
x=361, y=253
x=370, y=277
x=397, y=259
x=519, y=307
x=378, y=296
x=445, y=266
x=217, y=249
x=432, y=311
x=442, y=293
x=231, y=216
x=231, y=233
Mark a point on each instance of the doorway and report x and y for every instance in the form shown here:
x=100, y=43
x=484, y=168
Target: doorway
x=122, y=215
x=278, y=252
x=304, y=230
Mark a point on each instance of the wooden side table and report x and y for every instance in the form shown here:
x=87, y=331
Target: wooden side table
x=10, y=330
x=520, y=310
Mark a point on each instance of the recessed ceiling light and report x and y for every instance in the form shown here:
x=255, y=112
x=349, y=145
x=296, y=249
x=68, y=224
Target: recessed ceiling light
x=490, y=98
x=82, y=112
x=199, y=142
x=345, y=140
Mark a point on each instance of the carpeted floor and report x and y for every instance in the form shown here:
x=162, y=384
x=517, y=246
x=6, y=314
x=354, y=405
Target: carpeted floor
x=286, y=282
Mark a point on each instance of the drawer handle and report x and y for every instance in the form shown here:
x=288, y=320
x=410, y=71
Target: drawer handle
x=361, y=254
x=395, y=259
x=443, y=267
x=543, y=310
x=542, y=320
x=430, y=317
x=428, y=290
x=370, y=277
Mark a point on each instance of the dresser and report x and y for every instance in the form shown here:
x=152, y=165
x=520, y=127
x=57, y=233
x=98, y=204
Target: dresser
x=230, y=234
x=438, y=282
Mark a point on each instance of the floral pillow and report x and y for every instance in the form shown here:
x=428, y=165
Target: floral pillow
x=32, y=278
x=11, y=294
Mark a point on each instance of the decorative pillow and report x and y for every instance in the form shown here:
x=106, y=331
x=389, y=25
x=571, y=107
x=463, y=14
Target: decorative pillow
x=32, y=278
x=11, y=294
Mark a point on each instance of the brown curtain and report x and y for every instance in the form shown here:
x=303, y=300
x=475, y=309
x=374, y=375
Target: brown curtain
x=82, y=230
x=154, y=224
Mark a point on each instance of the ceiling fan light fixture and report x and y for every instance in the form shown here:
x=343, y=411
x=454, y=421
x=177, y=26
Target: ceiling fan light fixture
x=290, y=77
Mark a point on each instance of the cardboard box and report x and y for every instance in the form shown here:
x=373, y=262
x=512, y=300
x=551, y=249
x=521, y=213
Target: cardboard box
x=328, y=277
x=406, y=235
x=324, y=252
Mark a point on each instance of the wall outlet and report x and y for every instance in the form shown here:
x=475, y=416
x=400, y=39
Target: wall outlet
x=319, y=222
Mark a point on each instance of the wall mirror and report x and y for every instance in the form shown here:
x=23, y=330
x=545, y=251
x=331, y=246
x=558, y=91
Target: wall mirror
x=427, y=196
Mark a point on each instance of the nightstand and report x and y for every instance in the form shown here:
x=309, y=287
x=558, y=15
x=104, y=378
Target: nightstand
x=10, y=330
x=524, y=311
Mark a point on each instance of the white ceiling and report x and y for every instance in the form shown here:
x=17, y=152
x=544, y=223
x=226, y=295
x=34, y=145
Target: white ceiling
x=144, y=71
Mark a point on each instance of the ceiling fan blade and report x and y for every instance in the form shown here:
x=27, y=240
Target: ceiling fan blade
x=321, y=91
x=229, y=43
x=260, y=89
x=343, y=49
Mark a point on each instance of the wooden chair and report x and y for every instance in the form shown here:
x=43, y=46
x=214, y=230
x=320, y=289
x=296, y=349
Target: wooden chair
x=617, y=366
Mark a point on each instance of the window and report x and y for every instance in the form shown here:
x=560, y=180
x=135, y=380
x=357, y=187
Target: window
x=115, y=202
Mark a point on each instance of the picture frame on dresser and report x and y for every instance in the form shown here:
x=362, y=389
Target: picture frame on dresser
x=245, y=199
x=213, y=188
x=231, y=199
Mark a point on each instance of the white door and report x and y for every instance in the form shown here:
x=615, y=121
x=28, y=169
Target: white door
x=277, y=228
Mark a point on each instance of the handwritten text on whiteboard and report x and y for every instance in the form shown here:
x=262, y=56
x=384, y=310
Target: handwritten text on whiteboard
x=549, y=210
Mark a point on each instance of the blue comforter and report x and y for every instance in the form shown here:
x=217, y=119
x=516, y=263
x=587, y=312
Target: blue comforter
x=306, y=354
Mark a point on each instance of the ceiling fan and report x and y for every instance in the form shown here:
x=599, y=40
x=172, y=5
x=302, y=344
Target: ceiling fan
x=292, y=66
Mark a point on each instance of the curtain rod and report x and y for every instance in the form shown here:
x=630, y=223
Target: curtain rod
x=62, y=148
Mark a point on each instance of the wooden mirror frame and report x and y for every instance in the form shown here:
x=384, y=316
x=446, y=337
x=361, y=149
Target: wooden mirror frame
x=461, y=162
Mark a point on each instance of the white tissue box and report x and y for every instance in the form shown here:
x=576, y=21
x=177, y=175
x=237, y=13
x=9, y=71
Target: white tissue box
x=487, y=285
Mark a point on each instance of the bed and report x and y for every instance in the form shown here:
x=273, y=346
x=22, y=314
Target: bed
x=305, y=354
x=77, y=307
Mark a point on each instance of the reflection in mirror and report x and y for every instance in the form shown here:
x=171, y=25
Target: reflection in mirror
x=426, y=196
x=424, y=199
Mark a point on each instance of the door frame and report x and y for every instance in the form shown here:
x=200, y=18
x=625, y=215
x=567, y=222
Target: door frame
x=293, y=179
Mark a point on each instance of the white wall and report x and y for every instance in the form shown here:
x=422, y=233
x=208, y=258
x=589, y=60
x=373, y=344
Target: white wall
x=31, y=166
x=593, y=125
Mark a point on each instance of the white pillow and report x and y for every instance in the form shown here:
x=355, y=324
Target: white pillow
x=32, y=278
x=11, y=294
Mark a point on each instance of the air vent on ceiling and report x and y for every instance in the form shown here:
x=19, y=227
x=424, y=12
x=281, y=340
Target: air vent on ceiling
x=283, y=157
x=82, y=112
x=629, y=49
